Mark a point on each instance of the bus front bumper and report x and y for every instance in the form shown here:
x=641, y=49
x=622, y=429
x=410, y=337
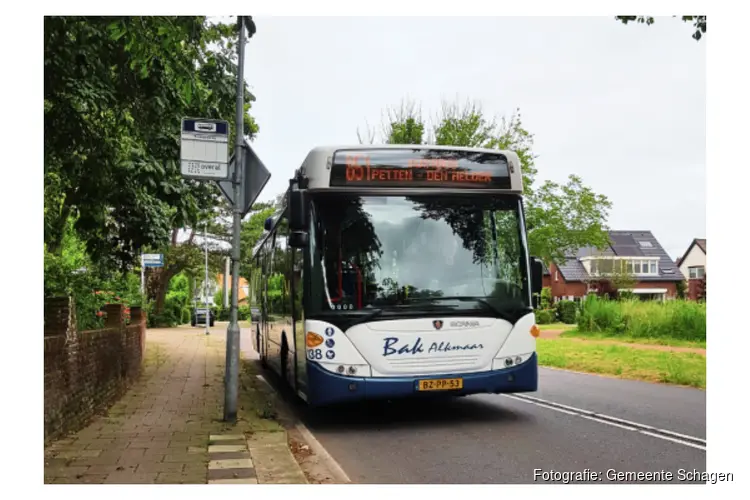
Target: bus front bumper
x=325, y=388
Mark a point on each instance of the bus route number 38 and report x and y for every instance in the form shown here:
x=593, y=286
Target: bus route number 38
x=315, y=354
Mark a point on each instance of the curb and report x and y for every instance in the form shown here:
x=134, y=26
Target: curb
x=274, y=461
x=229, y=460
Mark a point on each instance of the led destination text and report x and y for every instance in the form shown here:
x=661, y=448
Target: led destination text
x=359, y=169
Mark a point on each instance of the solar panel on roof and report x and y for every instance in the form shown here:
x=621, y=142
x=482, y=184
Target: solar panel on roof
x=627, y=250
x=625, y=245
x=622, y=239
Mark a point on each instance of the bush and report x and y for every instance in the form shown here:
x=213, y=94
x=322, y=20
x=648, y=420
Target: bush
x=544, y=298
x=186, y=315
x=243, y=313
x=170, y=316
x=674, y=319
x=567, y=311
x=222, y=314
x=545, y=316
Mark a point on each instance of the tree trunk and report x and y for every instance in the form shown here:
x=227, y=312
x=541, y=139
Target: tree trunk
x=162, y=287
x=54, y=241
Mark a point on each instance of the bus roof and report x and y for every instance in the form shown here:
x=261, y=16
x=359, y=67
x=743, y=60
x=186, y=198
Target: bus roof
x=382, y=167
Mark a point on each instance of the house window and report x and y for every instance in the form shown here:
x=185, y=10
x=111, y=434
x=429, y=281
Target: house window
x=608, y=266
x=556, y=278
x=697, y=272
x=640, y=267
x=645, y=244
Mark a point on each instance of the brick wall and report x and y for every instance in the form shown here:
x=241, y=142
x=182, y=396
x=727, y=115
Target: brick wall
x=696, y=288
x=86, y=372
x=562, y=288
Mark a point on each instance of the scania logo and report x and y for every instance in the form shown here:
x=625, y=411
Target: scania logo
x=465, y=324
x=438, y=324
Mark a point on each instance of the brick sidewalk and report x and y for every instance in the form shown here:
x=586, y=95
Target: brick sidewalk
x=163, y=429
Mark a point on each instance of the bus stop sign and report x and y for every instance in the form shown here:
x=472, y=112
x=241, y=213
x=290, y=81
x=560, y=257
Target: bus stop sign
x=204, y=149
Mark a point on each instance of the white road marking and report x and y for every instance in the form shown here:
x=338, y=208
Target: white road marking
x=626, y=427
x=648, y=430
x=540, y=404
x=680, y=441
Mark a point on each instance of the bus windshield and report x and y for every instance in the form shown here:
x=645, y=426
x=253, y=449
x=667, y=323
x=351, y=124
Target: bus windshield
x=441, y=252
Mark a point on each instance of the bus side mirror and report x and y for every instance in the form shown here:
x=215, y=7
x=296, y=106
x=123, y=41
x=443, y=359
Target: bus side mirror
x=297, y=210
x=537, y=274
x=298, y=239
x=268, y=224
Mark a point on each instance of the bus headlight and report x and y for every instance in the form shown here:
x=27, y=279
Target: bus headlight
x=513, y=361
x=347, y=370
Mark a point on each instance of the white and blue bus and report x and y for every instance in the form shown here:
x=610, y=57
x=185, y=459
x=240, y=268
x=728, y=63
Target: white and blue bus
x=399, y=271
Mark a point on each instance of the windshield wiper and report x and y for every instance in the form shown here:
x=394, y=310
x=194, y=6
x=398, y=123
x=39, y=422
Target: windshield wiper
x=370, y=315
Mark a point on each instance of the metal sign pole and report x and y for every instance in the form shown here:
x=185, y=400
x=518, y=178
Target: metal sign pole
x=143, y=277
x=205, y=244
x=233, y=332
x=225, y=302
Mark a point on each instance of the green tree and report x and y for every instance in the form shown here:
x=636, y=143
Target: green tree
x=681, y=289
x=622, y=281
x=699, y=23
x=115, y=89
x=560, y=217
x=251, y=233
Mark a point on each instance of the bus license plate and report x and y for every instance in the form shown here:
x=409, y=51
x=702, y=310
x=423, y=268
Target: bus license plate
x=441, y=384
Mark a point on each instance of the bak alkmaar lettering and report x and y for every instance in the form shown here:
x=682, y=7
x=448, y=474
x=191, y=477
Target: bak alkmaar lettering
x=391, y=346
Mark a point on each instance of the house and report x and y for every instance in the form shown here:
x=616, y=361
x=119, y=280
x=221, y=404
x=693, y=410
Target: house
x=635, y=253
x=546, y=276
x=693, y=266
x=243, y=287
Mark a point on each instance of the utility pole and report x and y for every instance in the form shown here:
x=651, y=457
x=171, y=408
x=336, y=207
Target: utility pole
x=231, y=381
x=205, y=244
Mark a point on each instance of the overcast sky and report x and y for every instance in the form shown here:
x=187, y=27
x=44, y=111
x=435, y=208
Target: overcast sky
x=624, y=107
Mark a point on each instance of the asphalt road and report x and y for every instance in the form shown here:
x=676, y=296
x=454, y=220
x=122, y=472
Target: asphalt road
x=490, y=439
x=497, y=439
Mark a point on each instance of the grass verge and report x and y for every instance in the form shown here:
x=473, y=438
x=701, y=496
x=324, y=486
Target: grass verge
x=556, y=326
x=257, y=405
x=665, y=341
x=680, y=368
x=673, y=319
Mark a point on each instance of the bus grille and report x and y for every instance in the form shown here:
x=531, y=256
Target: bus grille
x=442, y=364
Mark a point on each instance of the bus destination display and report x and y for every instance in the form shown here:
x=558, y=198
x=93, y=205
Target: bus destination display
x=420, y=168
